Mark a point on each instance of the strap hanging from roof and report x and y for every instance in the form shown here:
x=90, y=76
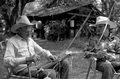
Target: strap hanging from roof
x=79, y=30
x=100, y=40
x=70, y=60
x=106, y=24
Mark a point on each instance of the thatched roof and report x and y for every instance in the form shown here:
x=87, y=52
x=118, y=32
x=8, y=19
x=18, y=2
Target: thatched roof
x=39, y=9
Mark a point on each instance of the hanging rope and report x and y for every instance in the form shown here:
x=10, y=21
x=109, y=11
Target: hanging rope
x=70, y=59
x=100, y=40
x=74, y=38
x=79, y=30
x=104, y=28
x=106, y=24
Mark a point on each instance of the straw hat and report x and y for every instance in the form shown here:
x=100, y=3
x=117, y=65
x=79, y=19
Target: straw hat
x=104, y=20
x=21, y=21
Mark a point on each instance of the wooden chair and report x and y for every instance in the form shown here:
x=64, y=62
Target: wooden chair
x=117, y=73
x=93, y=67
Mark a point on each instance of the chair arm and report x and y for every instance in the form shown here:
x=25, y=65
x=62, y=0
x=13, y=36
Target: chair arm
x=29, y=71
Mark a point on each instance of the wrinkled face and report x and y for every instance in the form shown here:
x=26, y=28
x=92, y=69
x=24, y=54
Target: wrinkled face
x=26, y=32
x=100, y=29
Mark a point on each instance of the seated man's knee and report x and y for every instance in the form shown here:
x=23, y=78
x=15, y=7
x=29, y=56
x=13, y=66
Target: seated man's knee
x=104, y=66
x=65, y=63
x=107, y=65
x=51, y=73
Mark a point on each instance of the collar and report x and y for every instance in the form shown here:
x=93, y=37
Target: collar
x=20, y=38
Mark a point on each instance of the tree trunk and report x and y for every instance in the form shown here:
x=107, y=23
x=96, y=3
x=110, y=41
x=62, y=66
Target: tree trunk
x=11, y=13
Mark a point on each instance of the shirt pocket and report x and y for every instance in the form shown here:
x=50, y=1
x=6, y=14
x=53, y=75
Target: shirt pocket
x=23, y=51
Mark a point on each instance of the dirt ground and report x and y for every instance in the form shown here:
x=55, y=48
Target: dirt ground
x=79, y=65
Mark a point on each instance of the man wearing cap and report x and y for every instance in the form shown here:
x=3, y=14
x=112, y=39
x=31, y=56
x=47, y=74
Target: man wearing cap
x=21, y=50
x=106, y=58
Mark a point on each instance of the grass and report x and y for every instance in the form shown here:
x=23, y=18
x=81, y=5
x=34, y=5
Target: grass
x=79, y=65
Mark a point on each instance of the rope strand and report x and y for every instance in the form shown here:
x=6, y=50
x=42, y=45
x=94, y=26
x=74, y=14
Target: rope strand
x=73, y=39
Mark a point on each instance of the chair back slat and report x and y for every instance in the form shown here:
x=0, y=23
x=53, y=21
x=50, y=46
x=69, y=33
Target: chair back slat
x=2, y=47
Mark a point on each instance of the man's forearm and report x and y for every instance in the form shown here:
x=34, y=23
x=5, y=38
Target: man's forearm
x=11, y=62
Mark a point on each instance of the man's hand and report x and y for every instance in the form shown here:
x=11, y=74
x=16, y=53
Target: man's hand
x=33, y=58
x=88, y=54
x=52, y=58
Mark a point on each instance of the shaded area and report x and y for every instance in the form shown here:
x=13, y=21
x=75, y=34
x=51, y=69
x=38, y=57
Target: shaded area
x=41, y=9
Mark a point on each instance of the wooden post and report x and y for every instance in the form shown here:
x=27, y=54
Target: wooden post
x=28, y=66
x=89, y=69
x=72, y=24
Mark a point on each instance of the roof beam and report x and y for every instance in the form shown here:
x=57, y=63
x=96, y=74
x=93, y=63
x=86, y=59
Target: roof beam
x=76, y=14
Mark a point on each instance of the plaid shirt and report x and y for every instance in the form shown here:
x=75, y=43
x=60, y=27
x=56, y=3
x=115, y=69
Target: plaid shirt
x=112, y=48
x=106, y=50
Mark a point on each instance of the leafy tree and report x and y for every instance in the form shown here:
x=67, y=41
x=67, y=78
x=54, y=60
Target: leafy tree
x=55, y=30
x=11, y=9
x=111, y=7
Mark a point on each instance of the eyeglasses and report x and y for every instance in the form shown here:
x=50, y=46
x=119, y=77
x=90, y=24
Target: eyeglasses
x=28, y=32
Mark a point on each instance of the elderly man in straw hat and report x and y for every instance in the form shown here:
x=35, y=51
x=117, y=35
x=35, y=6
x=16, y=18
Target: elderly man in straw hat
x=106, y=54
x=22, y=49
